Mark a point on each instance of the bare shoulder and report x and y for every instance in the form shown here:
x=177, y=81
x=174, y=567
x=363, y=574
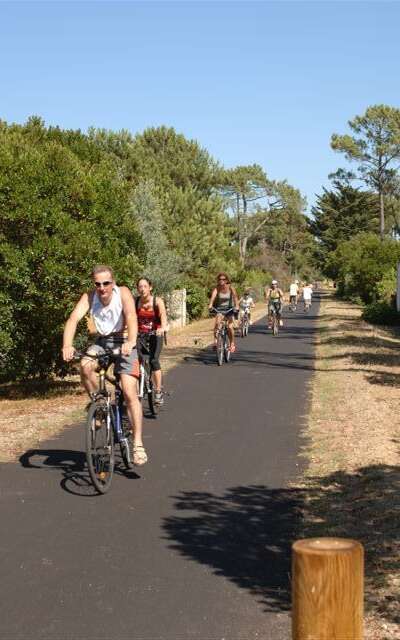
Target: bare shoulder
x=125, y=292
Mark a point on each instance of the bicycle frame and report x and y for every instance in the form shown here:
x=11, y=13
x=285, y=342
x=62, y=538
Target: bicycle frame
x=222, y=332
x=116, y=409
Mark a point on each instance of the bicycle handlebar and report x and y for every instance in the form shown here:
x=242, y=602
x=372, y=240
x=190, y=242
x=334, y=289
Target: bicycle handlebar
x=78, y=355
x=214, y=311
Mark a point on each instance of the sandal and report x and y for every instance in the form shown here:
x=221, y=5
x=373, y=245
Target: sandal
x=139, y=455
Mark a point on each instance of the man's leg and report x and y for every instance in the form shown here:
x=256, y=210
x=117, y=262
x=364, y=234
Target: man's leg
x=88, y=375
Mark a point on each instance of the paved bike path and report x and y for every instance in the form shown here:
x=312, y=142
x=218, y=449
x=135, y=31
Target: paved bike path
x=195, y=545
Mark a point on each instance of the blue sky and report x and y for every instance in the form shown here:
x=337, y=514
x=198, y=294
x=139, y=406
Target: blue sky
x=265, y=82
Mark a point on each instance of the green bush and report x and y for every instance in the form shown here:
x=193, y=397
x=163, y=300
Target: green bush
x=387, y=287
x=362, y=263
x=196, y=301
x=381, y=313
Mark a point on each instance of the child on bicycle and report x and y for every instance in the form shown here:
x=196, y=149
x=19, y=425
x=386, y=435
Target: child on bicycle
x=246, y=303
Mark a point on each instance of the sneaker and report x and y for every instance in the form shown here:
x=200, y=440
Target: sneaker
x=158, y=397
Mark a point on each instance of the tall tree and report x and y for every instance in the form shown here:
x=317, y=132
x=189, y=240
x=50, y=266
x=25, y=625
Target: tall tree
x=341, y=213
x=246, y=187
x=376, y=148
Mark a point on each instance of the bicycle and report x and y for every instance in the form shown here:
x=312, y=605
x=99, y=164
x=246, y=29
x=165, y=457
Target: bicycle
x=146, y=387
x=244, y=324
x=293, y=303
x=274, y=319
x=107, y=424
x=223, y=342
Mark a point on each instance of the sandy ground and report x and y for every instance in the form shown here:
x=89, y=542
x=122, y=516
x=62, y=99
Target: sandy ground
x=353, y=452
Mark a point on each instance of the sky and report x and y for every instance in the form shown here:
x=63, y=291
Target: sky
x=252, y=82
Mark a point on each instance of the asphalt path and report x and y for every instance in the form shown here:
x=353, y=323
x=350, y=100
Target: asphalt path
x=195, y=544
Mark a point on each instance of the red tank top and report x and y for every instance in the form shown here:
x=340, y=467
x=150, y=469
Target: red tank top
x=148, y=319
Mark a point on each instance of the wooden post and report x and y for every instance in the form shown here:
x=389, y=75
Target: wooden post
x=327, y=589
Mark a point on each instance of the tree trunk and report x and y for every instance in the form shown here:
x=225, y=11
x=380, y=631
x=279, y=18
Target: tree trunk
x=243, y=250
x=381, y=215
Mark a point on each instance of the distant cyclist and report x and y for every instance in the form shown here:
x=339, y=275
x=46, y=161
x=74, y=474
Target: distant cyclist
x=223, y=298
x=246, y=303
x=307, y=296
x=152, y=317
x=293, y=294
x=274, y=298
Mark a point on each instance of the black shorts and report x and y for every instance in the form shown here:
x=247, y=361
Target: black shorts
x=155, y=344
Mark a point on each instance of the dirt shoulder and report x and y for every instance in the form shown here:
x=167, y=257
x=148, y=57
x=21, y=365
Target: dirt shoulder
x=353, y=451
x=33, y=413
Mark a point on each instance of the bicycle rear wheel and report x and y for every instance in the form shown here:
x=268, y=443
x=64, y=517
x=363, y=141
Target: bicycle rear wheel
x=100, y=447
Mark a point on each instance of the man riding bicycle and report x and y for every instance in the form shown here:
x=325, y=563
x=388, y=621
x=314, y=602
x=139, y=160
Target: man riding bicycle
x=224, y=298
x=274, y=298
x=112, y=317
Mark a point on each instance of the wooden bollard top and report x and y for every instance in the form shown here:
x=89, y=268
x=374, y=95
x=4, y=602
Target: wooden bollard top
x=326, y=545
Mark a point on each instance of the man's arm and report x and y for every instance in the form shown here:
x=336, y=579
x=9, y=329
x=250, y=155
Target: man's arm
x=128, y=307
x=80, y=310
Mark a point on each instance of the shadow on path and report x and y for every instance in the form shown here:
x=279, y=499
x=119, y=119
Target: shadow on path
x=72, y=465
x=244, y=535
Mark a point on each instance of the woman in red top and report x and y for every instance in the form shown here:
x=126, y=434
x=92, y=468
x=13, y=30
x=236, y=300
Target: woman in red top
x=151, y=316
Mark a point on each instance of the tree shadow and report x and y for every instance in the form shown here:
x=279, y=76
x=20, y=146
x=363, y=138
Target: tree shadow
x=245, y=534
x=364, y=505
x=71, y=464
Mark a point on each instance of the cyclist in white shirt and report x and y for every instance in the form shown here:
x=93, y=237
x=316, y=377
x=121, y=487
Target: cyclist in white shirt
x=307, y=296
x=293, y=294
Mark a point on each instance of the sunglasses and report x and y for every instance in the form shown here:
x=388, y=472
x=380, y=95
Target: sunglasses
x=222, y=280
x=102, y=284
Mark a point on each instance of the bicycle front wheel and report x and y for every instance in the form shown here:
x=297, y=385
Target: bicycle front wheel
x=220, y=349
x=100, y=447
x=227, y=352
x=275, y=326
